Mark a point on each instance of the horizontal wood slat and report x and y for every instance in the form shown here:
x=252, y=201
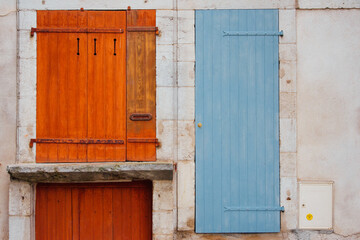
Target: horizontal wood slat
x=75, y=141
x=76, y=30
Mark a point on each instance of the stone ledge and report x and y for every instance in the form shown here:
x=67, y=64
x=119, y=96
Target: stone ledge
x=83, y=172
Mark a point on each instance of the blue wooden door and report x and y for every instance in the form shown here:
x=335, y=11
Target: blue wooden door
x=237, y=104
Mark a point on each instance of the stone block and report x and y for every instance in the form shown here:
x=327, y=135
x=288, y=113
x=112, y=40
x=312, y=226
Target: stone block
x=186, y=140
x=186, y=184
x=287, y=105
x=325, y=4
x=27, y=112
x=186, y=219
x=288, y=164
x=8, y=110
x=19, y=199
x=288, y=221
x=27, y=78
x=186, y=103
x=163, y=222
x=19, y=228
x=163, y=195
x=186, y=26
x=165, y=134
x=27, y=20
x=165, y=23
x=288, y=194
x=241, y=4
x=186, y=74
x=287, y=135
x=91, y=172
x=94, y=4
x=164, y=103
x=287, y=23
x=164, y=73
x=163, y=237
x=287, y=76
x=287, y=52
x=25, y=153
x=27, y=45
x=164, y=52
x=186, y=52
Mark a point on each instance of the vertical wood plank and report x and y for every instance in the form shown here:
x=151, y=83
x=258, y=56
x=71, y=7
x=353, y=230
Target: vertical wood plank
x=94, y=211
x=237, y=149
x=61, y=86
x=141, y=84
x=106, y=86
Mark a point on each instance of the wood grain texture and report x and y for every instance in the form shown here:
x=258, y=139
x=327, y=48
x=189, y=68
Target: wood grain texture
x=237, y=101
x=141, y=85
x=106, y=86
x=94, y=211
x=61, y=87
x=80, y=95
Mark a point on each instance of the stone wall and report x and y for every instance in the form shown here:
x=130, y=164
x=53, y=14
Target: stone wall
x=309, y=144
x=7, y=104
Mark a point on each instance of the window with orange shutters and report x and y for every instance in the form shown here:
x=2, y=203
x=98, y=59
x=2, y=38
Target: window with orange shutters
x=96, y=86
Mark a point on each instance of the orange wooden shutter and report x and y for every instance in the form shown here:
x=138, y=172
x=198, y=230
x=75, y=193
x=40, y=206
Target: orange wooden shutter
x=141, y=85
x=81, y=86
x=61, y=86
x=96, y=211
x=106, y=85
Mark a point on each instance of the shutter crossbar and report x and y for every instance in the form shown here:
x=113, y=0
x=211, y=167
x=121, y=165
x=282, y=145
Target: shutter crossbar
x=261, y=208
x=252, y=33
x=144, y=140
x=75, y=30
x=74, y=141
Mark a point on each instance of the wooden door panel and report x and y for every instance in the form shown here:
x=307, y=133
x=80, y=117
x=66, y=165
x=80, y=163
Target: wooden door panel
x=90, y=85
x=107, y=86
x=61, y=86
x=237, y=102
x=94, y=211
x=141, y=84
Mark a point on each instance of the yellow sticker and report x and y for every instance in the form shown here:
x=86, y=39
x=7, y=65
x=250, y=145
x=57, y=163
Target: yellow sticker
x=309, y=217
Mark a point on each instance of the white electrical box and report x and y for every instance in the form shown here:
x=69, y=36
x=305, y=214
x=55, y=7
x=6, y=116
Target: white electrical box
x=316, y=205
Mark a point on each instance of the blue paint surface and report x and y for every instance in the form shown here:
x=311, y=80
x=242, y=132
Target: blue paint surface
x=237, y=102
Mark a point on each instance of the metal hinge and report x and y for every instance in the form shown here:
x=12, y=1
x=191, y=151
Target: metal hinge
x=261, y=208
x=253, y=33
x=74, y=141
x=144, y=140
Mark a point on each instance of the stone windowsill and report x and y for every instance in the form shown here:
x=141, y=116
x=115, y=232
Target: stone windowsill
x=83, y=172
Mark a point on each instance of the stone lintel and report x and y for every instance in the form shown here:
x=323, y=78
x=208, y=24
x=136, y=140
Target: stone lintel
x=85, y=172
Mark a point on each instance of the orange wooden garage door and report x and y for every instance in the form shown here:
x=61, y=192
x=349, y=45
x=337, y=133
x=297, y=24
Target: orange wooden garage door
x=94, y=211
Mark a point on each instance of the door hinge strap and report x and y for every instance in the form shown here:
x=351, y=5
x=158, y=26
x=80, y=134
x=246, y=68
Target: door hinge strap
x=75, y=30
x=144, y=140
x=74, y=141
x=143, y=29
x=253, y=33
x=262, y=208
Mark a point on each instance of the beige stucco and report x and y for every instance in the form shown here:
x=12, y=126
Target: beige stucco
x=7, y=104
x=329, y=107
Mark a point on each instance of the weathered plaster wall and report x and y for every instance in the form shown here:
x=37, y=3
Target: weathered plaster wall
x=316, y=133
x=7, y=104
x=329, y=107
